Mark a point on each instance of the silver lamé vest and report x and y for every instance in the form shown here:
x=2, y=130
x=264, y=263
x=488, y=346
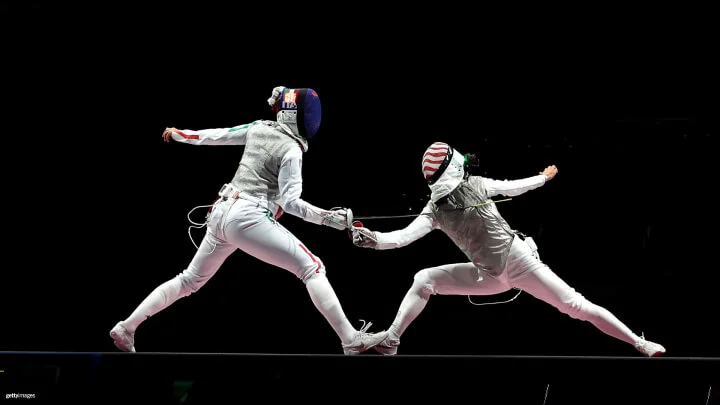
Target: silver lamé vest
x=479, y=231
x=259, y=168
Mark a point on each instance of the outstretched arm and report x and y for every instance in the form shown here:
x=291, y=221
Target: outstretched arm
x=516, y=187
x=216, y=136
x=290, y=184
x=419, y=227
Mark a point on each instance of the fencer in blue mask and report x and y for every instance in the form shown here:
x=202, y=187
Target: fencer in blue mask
x=268, y=182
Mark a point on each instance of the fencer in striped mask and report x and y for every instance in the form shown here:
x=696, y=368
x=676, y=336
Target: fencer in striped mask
x=499, y=258
x=444, y=168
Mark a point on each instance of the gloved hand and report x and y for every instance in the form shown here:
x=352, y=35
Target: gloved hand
x=277, y=91
x=338, y=218
x=364, y=237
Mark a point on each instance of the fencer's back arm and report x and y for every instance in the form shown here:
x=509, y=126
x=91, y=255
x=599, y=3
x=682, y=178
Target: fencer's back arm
x=419, y=227
x=290, y=185
x=216, y=136
x=508, y=188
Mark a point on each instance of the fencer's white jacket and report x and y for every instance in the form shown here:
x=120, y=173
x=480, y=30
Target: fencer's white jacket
x=481, y=233
x=270, y=168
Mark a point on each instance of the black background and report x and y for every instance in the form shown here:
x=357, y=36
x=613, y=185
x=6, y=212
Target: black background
x=97, y=203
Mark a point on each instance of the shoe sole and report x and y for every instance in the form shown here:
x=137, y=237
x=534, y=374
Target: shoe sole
x=385, y=351
x=352, y=352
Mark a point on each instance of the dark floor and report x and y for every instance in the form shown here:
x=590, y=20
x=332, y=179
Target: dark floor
x=266, y=378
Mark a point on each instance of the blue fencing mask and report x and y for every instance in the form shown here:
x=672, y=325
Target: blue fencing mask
x=300, y=110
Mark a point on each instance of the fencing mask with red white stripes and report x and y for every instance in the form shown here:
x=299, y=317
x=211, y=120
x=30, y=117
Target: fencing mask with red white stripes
x=436, y=160
x=444, y=168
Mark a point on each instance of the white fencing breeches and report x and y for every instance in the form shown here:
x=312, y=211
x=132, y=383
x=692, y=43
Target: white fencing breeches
x=523, y=271
x=241, y=224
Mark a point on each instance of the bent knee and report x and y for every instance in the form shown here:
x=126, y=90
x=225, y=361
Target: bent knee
x=308, y=272
x=190, y=282
x=424, y=284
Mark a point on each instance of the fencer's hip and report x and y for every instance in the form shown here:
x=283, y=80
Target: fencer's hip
x=230, y=211
x=522, y=260
x=228, y=191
